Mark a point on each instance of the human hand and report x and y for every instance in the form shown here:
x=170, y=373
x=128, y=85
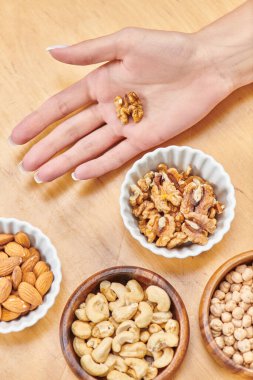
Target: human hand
x=169, y=71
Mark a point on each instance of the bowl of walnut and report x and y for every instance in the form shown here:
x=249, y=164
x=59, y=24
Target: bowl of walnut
x=177, y=201
x=30, y=275
x=226, y=315
x=124, y=323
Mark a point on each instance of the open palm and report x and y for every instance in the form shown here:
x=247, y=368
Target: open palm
x=169, y=71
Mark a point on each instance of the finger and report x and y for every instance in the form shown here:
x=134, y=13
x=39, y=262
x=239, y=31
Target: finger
x=106, y=48
x=53, y=109
x=111, y=160
x=64, y=135
x=86, y=149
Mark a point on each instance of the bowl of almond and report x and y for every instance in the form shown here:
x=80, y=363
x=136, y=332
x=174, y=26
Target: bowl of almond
x=177, y=201
x=30, y=275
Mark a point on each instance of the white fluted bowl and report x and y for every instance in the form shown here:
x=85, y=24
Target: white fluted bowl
x=49, y=254
x=202, y=165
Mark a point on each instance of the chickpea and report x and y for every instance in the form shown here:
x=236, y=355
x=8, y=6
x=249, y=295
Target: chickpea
x=229, y=351
x=247, y=296
x=240, y=333
x=247, y=274
x=249, y=282
x=219, y=294
x=229, y=340
x=216, y=334
x=248, y=357
x=236, y=345
x=214, y=301
x=238, y=313
x=224, y=286
x=230, y=305
x=220, y=342
x=216, y=310
x=236, y=277
x=251, y=366
x=245, y=306
x=241, y=268
x=237, y=322
x=226, y=317
x=246, y=320
x=235, y=287
x=236, y=296
x=211, y=317
x=244, y=345
x=228, y=328
x=250, y=311
x=249, y=331
x=228, y=296
x=238, y=358
x=245, y=287
x=229, y=278
x=251, y=343
x=216, y=324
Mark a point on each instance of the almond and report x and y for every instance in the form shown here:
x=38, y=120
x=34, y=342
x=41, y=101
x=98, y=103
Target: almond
x=22, y=239
x=14, y=249
x=29, y=294
x=29, y=264
x=27, y=254
x=3, y=255
x=8, y=315
x=29, y=277
x=16, y=277
x=5, y=289
x=44, y=282
x=6, y=238
x=40, y=268
x=16, y=304
x=35, y=251
x=7, y=265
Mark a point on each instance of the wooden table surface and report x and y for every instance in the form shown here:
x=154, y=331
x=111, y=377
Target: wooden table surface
x=83, y=219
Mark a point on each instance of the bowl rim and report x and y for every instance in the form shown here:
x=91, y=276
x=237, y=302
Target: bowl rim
x=204, y=306
x=94, y=280
x=22, y=322
x=175, y=252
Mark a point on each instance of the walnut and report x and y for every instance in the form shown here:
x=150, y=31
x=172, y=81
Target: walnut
x=170, y=193
x=178, y=238
x=160, y=203
x=137, y=196
x=187, y=204
x=129, y=106
x=194, y=233
x=144, y=207
x=152, y=228
x=203, y=222
x=207, y=200
x=165, y=231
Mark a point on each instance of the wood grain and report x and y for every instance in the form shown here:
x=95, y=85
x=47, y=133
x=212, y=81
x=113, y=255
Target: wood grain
x=123, y=274
x=211, y=286
x=83, y=219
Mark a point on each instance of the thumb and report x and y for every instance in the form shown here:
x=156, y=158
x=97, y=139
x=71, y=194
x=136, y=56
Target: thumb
x=106, y=48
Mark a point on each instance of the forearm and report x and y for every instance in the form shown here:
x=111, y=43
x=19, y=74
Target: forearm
x=228, y=45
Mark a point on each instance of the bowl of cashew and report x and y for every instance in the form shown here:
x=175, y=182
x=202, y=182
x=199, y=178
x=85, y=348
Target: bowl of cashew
x=124, y=323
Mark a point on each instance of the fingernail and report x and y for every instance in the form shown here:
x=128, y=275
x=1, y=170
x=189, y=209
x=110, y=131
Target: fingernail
x=56, y=47
x=74, y=177
x=21, y=168
x=11, y=142
x=37, y=178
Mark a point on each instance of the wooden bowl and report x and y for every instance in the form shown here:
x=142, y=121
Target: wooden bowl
x=122, y=274
x=211, y=346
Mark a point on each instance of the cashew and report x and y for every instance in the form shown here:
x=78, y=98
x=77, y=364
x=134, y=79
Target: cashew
x=101, y=352
x=139, y=366
x=172, y=326
x=161, y=340
x=89, y=296
x=120, y=291
x=122, y=338
x=93, y=342
x=120, y=364
x=116, y=375
x=134, y=292
x=103, y=329
x=131, y=373
x=127, y=325
x=133, y=350
x=154, y=328
x=105, y=289
x=152, y=372
x=81, y=329
x=144, y=336
x=124, y=312
x=97, y=308
x=145, y=316
x=161, y=317
x=165, y=359
x=80, y=347
x=159, y=296
x=111, y=361
x=113, y=322
x=93, y=368
x=81, y=314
